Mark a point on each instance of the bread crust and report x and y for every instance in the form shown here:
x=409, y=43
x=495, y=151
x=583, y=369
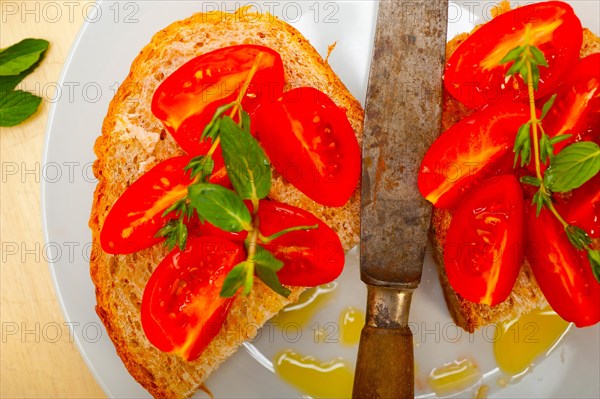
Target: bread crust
x=526, y=295
x=133, y=141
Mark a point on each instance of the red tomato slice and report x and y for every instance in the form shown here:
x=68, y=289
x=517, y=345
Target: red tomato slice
x=478, y=146
x=136, y=217
x=473, y=73
x=182, y=310
x=311, y=144
x=205, y=228
x=311, y=257
x=484, y=248
x=583, y=208
x=576, y=110
x=187, y=99
x=563, y=273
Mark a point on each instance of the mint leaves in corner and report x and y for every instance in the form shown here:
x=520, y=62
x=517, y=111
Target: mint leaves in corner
x=16, y=62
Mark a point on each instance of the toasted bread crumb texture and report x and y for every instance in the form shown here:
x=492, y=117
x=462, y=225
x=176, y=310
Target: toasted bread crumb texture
x=133, y=141
x=526, y=295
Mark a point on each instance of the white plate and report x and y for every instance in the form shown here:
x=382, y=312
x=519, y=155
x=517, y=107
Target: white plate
x=100, y=59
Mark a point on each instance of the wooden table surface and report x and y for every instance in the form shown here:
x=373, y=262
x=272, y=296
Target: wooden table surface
x=38, y=357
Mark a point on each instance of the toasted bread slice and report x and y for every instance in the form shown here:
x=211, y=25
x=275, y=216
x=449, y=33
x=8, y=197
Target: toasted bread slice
x=526, y=295
x=133, y=141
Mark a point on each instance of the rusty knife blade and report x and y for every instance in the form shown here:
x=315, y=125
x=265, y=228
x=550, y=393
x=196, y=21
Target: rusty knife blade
x=402, y=119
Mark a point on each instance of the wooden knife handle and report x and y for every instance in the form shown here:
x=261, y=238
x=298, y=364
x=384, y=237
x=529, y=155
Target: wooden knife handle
x=390, y=349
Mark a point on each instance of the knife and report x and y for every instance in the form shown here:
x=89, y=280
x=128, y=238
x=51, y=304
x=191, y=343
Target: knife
x=402, y=118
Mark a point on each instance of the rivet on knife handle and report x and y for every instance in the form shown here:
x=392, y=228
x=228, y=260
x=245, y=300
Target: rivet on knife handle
x=402, y=119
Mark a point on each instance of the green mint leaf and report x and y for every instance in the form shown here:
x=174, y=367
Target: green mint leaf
x=526, y=153
x=535, y=76
x=175, y=232
x=16, y=106
x=540, y=199
x=182, y=234
x=269, y=277
x=577, y=236
x=513, y=54
x=211, y=130
x=594, y=258
x=245, y=121
x=522, y=135
x=167, y=229
x=573, y=166
x=247, y=165
x=234, y=280
x=523, y=139
x=538, y=56
x=559, y=138
x=220, y=206
x=524, y=73
x=549, y=150
x=179, y=206
x=265, y=258
x=531, y=180
x=538, y=202
x=21, y=56
x=201, y=165
x=8, y=83
x=546, y=149
x=547, y=105
x=516, y=67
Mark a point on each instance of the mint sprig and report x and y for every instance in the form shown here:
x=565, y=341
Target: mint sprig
x=249, y=170
x=16, y=62
x=572, y=167
x=250, y=173
x=247, y=165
